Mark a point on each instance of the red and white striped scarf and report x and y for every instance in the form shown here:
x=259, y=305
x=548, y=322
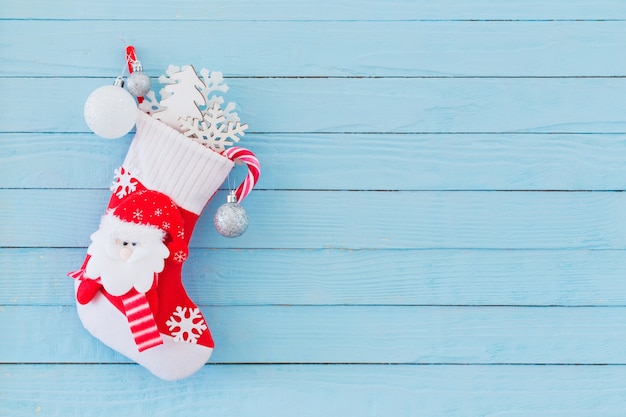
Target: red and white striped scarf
x=141, y=321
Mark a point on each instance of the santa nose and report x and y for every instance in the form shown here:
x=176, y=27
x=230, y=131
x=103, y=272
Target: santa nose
x=125, y=253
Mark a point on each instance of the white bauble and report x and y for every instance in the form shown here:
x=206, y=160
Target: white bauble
x=110, y=111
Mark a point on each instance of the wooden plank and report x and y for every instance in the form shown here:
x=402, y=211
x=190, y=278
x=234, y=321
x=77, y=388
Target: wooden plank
x=350, y=334
x=59, y=160
x=362, y=277
x=305, y=390
x=351, y=220
x=324, y=10
x=400, y=105
x=371, y=48
x=406, y=162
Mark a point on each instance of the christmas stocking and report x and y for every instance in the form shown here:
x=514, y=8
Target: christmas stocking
x=129, y=290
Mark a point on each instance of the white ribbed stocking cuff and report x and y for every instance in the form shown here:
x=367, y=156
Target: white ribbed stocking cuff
x=164, y=160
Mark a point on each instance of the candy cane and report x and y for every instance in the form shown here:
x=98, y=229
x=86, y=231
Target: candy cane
x=239, y=154
x=131, y=57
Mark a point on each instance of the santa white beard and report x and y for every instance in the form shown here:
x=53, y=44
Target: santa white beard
x=125, y=255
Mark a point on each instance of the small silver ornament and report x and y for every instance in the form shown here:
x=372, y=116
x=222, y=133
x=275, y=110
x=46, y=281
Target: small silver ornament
x=231, y=220
x=138, y=83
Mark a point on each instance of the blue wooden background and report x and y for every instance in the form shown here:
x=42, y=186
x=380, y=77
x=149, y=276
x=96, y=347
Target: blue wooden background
x=439, y=229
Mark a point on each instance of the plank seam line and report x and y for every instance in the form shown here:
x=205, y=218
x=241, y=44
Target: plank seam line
x=385, y=306
x=357, y=190
x=421, y=364
x=340, y=133
x=581, y=20
x=338, y=249
x=357, y=248
x=336, y=133
x=345, y=77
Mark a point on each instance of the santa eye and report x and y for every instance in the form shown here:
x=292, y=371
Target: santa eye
x=134, y=243
x=125, y=243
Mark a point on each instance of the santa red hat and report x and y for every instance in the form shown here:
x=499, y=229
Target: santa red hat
x=153, y=215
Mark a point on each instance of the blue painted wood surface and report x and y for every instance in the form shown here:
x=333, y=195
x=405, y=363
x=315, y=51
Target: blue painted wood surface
x=439, y=229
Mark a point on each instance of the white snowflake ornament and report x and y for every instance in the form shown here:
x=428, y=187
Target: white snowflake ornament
x=150, y=104
x=213, y=130
x=229, y=112
x=213, y=81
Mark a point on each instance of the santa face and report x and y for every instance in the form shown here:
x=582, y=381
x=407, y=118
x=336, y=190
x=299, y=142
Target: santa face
x=125, y=255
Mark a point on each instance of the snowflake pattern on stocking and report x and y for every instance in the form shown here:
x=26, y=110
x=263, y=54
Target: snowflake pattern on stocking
x=180, y=257
x=124, y=183
x=186, y=324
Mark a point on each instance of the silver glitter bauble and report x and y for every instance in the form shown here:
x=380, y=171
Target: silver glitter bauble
x=231, y=220
x=138, y=84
